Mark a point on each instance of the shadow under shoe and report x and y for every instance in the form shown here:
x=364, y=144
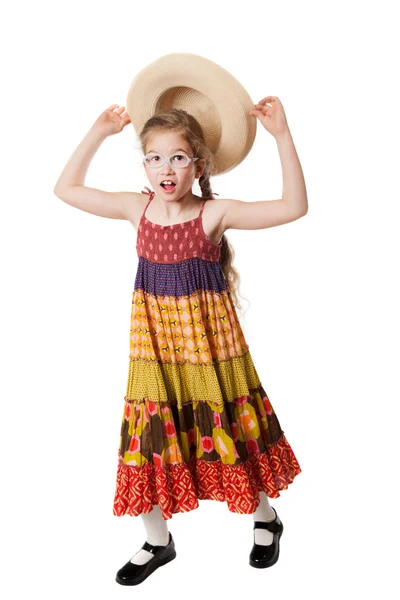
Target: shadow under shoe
x=132, y=574
x=265, y=556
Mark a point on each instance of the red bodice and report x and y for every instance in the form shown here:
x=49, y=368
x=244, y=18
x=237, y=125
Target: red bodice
x=174, y=243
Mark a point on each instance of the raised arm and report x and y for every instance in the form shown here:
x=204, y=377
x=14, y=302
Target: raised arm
x=293, y=204
x=70, y=185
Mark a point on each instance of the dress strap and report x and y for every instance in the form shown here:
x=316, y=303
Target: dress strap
x=202, y=208
x=210, y=198
x=151, y=194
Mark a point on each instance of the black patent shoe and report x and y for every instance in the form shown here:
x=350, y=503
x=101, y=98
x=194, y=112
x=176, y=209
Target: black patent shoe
x=131, y=574
x=265, y=556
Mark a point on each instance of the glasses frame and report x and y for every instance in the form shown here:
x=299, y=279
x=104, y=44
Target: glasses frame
x=168, y=159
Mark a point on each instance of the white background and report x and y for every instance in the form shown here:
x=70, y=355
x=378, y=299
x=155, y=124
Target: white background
x=322, y=324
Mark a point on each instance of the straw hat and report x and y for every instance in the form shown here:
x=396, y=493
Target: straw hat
x=206, y=91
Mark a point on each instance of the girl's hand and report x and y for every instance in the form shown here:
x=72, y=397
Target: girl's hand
x=272, y=118
x=111, y=121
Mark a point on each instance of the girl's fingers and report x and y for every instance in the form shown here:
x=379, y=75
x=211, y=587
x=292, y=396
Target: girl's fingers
x=257, y=113
x=117, y=112
x=270, y=99
x=263, y=108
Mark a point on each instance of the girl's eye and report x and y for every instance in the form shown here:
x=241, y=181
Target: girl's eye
x=180, y=158
x=152, y=158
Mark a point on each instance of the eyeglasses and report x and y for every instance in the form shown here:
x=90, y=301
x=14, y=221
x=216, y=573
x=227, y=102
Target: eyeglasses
x=180, y=160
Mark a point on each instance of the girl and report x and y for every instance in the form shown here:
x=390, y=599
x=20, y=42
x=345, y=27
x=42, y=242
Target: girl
x=197, y=423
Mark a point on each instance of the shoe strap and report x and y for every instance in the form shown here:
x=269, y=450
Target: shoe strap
x=150, y=547
x=270, y=525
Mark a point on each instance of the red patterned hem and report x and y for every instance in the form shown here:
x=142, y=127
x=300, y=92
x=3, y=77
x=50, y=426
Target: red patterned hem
x=179, y=487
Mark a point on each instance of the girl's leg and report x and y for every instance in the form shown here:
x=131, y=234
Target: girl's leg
x=157, y=534
x=264, y=512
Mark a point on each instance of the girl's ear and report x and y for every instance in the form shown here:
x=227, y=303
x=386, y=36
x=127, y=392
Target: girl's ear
x=200, y=167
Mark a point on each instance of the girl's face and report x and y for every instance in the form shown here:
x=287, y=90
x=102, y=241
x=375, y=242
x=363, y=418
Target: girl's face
x=167, y=143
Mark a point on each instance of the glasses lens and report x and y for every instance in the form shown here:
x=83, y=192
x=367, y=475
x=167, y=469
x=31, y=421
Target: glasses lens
x=179, y=160
x=153, y=159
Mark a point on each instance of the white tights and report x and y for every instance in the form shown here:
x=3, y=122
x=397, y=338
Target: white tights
x=158, y=533
x=264, y=512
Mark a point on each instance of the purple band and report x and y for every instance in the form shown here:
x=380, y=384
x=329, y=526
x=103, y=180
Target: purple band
x=179, y=279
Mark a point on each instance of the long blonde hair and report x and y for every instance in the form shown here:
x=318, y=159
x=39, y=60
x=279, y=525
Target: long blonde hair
x=186, y=125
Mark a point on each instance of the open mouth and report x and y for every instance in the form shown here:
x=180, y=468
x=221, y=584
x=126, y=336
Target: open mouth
x=168, y=186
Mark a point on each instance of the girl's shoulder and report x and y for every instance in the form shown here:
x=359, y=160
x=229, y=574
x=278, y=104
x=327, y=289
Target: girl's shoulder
x=135, y=203
x=213, y=218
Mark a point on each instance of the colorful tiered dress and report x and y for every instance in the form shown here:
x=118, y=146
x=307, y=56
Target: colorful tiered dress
x=197, y=423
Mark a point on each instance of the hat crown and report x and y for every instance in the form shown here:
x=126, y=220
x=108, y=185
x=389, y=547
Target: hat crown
x=205, y=90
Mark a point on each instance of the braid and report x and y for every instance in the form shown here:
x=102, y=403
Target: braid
x=227, y=251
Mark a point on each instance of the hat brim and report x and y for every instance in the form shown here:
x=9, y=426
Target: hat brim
x=205, y=90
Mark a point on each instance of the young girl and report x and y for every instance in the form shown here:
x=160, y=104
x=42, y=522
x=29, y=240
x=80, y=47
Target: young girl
x=197, y=423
